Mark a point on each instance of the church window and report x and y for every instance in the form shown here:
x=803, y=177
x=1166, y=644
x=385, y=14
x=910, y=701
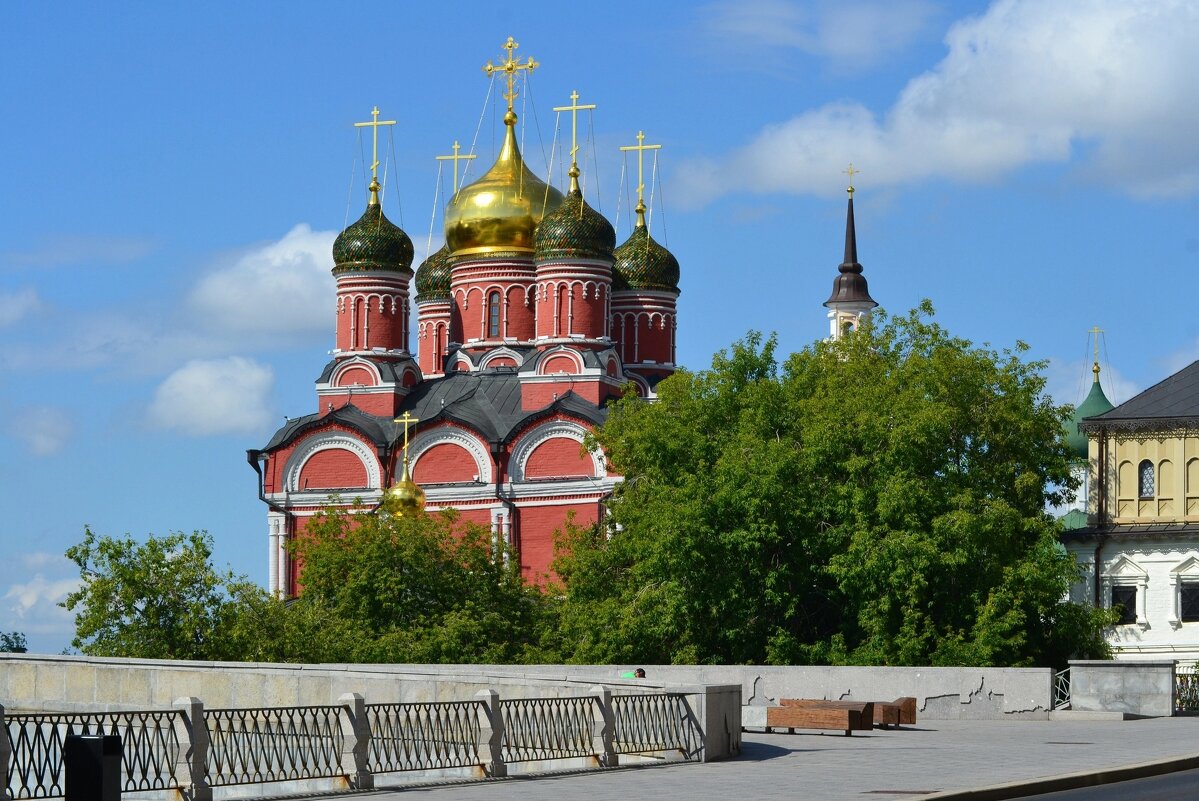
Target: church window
x=493, y=315
x=1145, y=481
x=1189, y=601
x=1124, y=601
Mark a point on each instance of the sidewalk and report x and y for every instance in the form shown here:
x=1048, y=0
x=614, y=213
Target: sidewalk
x=908, y=763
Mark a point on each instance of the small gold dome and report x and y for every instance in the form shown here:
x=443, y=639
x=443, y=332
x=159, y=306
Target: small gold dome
x=500, y=211
x=405, y=498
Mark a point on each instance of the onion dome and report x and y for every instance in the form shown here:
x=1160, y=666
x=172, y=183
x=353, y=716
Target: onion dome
x=433, y=276
x=405, y=498
x=373, y=242
x=641, y=263
x=850, y=285
x=574, y=230
x=499, y=212
x=1094, y=403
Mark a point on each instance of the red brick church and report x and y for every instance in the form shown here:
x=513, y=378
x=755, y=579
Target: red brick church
x=528, y=321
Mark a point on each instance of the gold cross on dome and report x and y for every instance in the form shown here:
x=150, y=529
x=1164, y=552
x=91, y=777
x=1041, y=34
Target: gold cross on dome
x=456, y=158
x=407, y=419
x=641, y=147
x=511, y=67
x=851, y=172
x=574, y=108
x=1096, y=331
x=374, y=124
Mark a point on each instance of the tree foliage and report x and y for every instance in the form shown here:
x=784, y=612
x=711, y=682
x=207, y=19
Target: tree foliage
x=12, y=642
x=880, y=500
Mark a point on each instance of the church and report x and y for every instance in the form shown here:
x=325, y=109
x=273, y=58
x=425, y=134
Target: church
x=529, y=320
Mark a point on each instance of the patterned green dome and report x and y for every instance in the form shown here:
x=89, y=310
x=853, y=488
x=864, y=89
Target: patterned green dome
x=433, y=276
x=372, y=243
x=641, y=263
x=574, y=230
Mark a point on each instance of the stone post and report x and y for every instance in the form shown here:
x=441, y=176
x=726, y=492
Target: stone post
x=196, y=753
x=360, y=739
x=491, y=734
x=5, y=756
x=603, y=732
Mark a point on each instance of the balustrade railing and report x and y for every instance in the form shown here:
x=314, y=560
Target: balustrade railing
x=425, y=736
x=537, y=729
x=654, y=723
x=149, y=743
x=1061, y=689
x=189, y=750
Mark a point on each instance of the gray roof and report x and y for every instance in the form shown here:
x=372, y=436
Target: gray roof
x=1172, y=401
x=1132, y=531
x=486, y=401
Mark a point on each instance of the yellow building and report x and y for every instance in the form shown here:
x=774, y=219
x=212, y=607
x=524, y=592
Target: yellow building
x=1139, y=548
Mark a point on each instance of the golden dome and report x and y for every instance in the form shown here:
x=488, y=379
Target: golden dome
x=405, y=498
x=500, y=211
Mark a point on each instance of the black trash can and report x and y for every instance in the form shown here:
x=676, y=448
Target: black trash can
x=92, y=767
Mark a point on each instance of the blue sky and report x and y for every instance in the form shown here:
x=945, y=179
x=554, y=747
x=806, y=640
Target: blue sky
x=173, y=176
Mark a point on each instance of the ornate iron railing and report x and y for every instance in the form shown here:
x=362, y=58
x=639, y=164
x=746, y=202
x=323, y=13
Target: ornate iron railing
x=654, y=723
x=1186, y=689
x=149, y=744
x=424, y=736
x=548, y=728
x=1061, y=689
x=248, y=746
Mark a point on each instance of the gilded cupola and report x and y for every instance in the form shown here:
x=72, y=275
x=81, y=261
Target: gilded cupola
x=499, y=212
x=433, y=276
x=373, y=242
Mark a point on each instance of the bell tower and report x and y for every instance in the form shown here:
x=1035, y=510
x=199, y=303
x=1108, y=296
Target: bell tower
x=851, y=300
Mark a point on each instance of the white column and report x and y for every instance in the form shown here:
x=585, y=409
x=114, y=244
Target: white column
x=274, y=522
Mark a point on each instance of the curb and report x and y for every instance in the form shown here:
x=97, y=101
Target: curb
x=1068, y=781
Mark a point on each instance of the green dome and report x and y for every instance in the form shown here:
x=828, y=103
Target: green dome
x=433, y=276
x=641, y=263
x=1095, y=403
x=1073, y=519
x=574, y=230
x=372, y=243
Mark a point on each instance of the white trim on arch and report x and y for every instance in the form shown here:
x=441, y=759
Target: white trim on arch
x=443, y=435
x=329, y=440
x=529, y=442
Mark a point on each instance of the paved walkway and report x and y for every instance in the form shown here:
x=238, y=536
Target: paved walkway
x=909, y=763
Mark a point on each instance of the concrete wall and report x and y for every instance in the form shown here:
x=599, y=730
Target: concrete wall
x=73, y=683
x=1135, y=688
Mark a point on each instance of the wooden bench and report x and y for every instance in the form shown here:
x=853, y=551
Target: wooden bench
x=884, y=714
x=802, y=717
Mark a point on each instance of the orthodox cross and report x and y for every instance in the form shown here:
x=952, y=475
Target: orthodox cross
x=407, y=419
x=1096, y=331
x=511, y=66
x=574, y=108
x=374, y=124
x=641, y=147
x=455, y=158
x=851, y=172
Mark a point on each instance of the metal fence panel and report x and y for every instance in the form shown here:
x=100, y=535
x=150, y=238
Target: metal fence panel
x=423, y=736
x=537, y=729
x=654, y=723
x=248, y=746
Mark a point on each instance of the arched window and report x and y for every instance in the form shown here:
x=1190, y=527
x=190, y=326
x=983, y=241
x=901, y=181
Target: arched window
x=1145, y=479
x=493, y=315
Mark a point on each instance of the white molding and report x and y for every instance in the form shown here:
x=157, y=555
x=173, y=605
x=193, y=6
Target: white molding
x=445, y=434
x=537, y=436
x=328, y=440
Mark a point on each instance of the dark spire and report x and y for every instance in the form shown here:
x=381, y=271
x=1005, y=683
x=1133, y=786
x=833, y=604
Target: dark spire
x=850, y=285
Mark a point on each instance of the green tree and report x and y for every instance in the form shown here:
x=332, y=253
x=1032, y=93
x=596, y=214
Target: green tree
x=876, y=501
x=163, y=599
x=12, y=642
x=423, y=588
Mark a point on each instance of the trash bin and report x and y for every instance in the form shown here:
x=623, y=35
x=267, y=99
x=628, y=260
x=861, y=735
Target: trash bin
x=92, y=767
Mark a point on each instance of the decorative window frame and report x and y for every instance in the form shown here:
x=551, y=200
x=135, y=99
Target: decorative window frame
x=1186, y=572
x=451, y=435
x=1153, y=471
x=1126, y=573
x=328, y=441
x=531, y=440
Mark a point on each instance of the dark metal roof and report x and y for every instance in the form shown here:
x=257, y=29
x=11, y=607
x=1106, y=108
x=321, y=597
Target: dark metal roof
x=486, y=401
x=1126, y=531
x=1173, y=401
x=850, y=285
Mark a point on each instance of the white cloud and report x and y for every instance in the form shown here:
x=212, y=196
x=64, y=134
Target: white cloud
x=850, y=34
x=283, y=287
x=45, y=430
x=16, y=305
x=1104, y=81
x=214, y=396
